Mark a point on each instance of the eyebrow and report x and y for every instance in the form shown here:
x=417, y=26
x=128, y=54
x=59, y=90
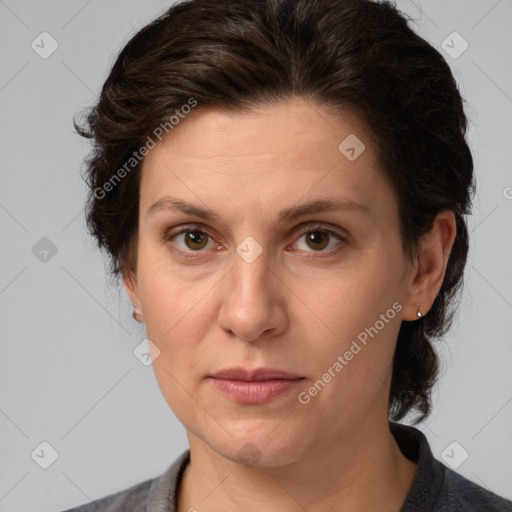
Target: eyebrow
x=286, y=215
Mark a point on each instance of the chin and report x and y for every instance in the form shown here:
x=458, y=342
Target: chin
x=260, y=446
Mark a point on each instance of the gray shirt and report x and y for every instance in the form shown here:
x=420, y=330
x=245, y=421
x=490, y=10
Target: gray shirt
x=436, y=488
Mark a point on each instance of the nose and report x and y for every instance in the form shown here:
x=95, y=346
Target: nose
x=254, y=305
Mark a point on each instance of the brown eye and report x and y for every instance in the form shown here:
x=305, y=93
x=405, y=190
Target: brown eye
x=191, y=240
x=317, y=241
x=195, y=239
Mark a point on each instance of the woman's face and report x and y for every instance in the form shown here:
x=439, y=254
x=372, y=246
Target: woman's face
x=249, y=288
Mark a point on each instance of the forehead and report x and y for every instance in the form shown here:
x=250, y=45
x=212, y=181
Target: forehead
x=289, y=148
x=292, y=129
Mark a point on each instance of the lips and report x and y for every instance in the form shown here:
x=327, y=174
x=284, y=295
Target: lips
x=254, y=386
x=255, y=375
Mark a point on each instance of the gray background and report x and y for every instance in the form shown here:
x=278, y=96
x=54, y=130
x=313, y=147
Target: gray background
x=68, y=373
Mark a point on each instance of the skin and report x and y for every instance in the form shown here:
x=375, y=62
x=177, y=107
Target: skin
x=297, y=307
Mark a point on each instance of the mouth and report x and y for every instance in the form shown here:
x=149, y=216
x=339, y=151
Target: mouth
x=255, y=374
x=255, y=386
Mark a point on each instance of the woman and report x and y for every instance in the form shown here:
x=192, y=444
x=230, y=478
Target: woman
x=282, y=185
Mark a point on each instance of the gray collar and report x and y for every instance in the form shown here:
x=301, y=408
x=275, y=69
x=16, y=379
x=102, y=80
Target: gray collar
x=162, y=494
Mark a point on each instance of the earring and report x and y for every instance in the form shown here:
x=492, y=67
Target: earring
x=135, y=315
x=419, y=313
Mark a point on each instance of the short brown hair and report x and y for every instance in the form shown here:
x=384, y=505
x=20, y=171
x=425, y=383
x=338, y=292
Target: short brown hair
x=348, y=54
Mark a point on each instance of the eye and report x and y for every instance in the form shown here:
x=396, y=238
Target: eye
x=318, y=238
x=193, y=239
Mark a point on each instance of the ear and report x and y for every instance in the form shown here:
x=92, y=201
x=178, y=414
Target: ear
x=430, y=265
x=130, y=283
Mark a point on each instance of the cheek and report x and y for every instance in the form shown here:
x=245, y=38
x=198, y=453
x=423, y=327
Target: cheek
x=172, y=307
x=171, y=310
x=168, y=292
x=362, y=308
x=357, y=296
x=352, y=376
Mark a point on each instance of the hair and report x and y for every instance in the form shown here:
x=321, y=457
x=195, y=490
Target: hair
x=357, y=55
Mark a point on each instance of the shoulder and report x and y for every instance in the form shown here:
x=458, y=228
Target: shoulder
x=438, y=487
x=133, y=498
x=459, y=493
x=152, y=495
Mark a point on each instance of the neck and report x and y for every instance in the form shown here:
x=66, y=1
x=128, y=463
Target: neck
x=364, y=471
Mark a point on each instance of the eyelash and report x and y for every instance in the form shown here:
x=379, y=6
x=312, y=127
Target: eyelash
x=170, y=235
